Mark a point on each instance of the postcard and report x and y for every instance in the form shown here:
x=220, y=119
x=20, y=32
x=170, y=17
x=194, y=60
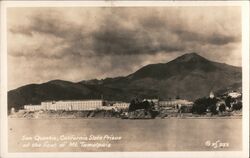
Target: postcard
x=124, y=79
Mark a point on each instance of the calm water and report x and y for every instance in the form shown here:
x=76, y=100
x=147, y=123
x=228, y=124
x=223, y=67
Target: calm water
x=136, y=135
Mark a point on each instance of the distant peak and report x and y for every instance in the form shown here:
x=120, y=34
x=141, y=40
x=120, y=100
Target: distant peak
x=190, y=57
x=55, y=81
x=192, y=54
x=58, y=81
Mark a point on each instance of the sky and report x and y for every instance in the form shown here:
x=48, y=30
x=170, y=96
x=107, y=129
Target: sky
x=84, y=43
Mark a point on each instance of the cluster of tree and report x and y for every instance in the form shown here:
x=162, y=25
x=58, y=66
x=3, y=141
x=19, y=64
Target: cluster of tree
x=233, y=104
x=222, y=108
x=237, y=106
x=201, y=105
x=136, y=104
x=142, y=109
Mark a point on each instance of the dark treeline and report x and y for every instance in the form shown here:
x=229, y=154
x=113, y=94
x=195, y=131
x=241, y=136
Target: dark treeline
x=136, y=104
x=204, y=105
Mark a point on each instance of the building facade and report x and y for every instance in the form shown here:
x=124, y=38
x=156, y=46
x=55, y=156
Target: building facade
x=175, y=103
x=78, y=105
x=121, y=105
x=73, y=105
x=33, y=107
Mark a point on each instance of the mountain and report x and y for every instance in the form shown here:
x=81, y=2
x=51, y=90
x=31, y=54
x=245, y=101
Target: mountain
x=189, y=76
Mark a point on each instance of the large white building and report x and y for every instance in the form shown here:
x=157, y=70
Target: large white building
x=73, y=105
x=77, y=105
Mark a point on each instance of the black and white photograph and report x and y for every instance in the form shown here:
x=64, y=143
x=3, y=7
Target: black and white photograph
x=124, y=79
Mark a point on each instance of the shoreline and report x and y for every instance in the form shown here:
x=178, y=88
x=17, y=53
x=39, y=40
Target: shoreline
x=113, y=118
x=117, y=115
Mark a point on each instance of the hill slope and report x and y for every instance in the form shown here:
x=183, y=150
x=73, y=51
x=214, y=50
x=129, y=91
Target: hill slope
x=188, y=76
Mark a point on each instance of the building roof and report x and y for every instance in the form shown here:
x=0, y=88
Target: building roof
x=73, y=100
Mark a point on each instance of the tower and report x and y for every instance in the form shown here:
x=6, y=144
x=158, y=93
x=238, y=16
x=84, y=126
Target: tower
x=211, y=95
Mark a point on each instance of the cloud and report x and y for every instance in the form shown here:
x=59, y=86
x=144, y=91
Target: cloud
x=214, y=39
x=84, y=43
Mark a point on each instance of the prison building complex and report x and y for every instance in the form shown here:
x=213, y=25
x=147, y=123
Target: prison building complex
x=76, y=105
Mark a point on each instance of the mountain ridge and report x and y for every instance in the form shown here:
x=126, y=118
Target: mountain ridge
x=189, y=76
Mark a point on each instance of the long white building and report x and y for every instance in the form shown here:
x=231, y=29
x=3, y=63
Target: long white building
x=77, y=105
x=73, y=105
x=33, y=107
x=174, y=103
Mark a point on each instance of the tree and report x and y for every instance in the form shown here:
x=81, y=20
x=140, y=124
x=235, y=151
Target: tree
x=213, y=109
x=136, y=104
x=132, y=105
x=222, y=108
x=152, y=104
x=199, y=109
x=237, y=106
x=228, y=102
x=200, y=106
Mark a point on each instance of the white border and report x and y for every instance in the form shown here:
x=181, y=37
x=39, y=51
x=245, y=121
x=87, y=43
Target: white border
x=245, y=79
x=245, y=64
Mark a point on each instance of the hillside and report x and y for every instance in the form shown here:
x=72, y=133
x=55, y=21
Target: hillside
x=189, y=76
